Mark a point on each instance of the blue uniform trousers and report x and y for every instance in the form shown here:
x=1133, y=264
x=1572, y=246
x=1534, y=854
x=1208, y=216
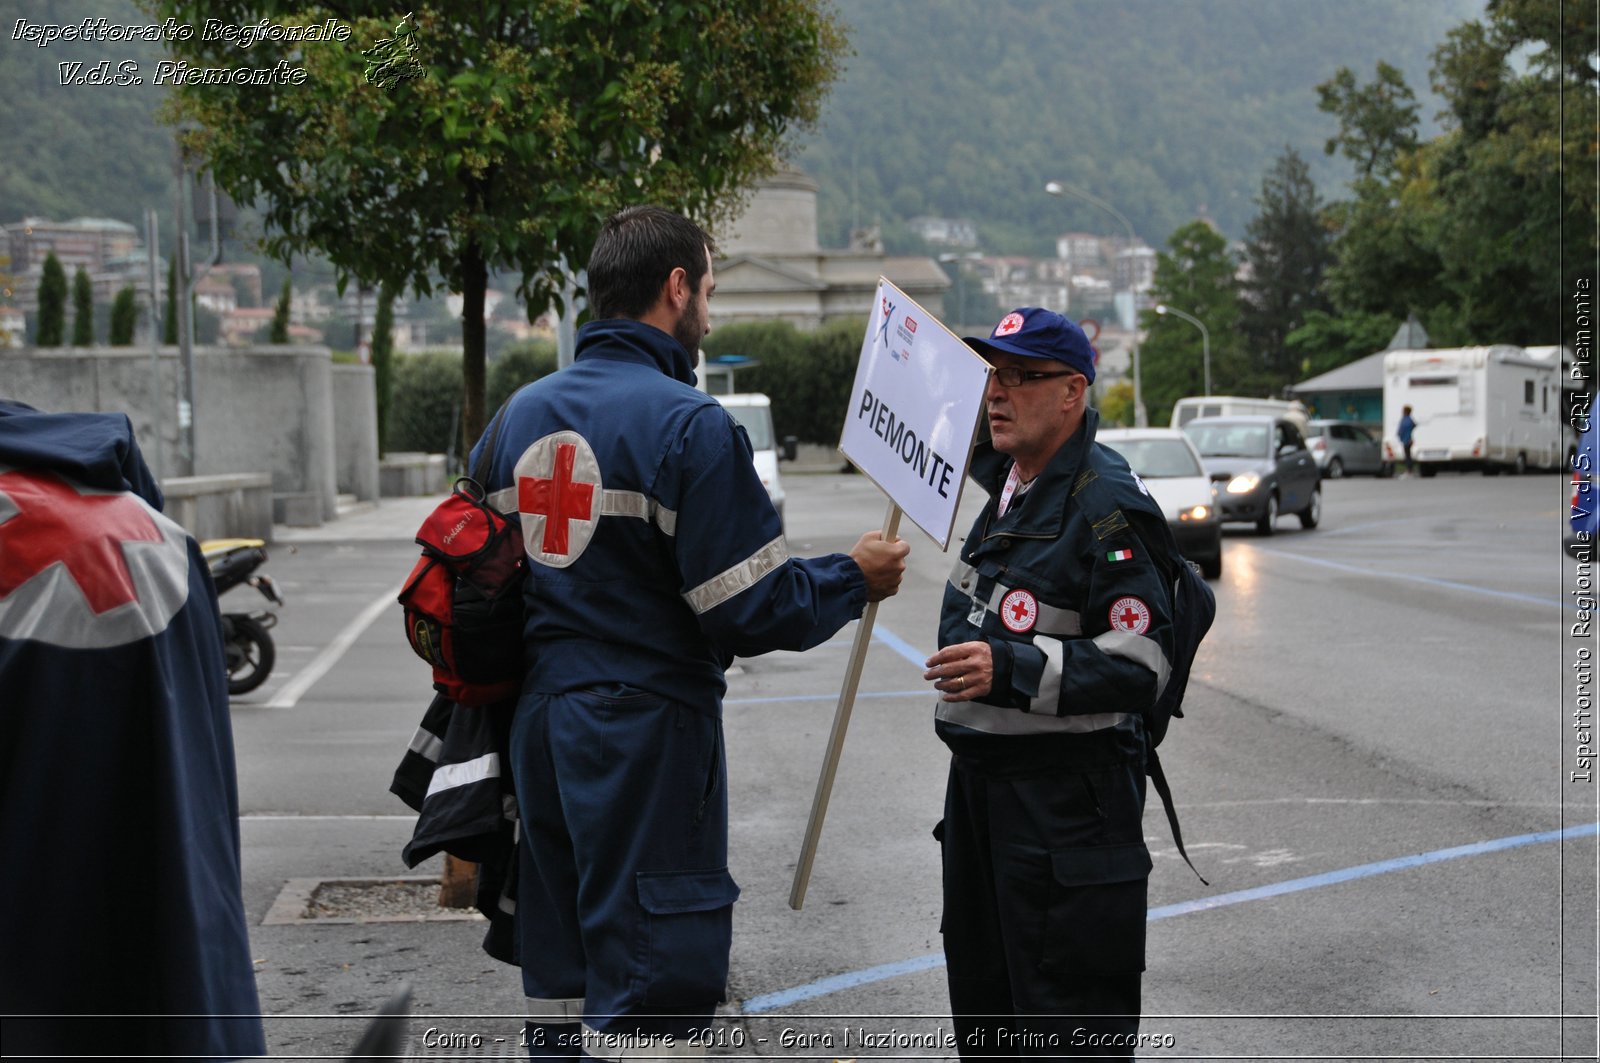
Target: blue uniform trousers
x=1045, y=876
x=625, y=904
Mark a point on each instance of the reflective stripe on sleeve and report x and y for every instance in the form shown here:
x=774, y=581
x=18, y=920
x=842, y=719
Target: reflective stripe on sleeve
x=568, y=1010
x=1138, y=649
x=450, y=776
x=427, y=744
x=1050, y=621
x=992, y=719
x=741, y=577
x=634, y=504
x=616, y=1046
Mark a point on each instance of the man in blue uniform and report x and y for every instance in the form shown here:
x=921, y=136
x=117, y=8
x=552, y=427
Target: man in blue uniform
x=119, y=810
x=656, y=558
x=1054, y=637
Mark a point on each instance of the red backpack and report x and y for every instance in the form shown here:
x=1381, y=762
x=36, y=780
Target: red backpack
x=463, y=602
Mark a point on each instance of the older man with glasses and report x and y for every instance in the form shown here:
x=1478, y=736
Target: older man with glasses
x=1055, y=636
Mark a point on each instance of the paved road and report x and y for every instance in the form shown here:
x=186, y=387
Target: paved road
x=1373, y=776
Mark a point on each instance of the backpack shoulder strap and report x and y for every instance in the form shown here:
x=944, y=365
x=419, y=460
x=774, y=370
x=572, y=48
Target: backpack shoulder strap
x=485, y=463
x=1158, y=777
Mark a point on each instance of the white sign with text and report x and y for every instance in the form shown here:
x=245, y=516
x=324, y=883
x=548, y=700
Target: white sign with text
x=914, y=410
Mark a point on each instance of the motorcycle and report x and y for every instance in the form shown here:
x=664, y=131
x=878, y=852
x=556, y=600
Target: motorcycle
x=249, y=649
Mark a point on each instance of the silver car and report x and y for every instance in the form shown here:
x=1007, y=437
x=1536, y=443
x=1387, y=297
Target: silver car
x=1345, y=447
x=1262, y=468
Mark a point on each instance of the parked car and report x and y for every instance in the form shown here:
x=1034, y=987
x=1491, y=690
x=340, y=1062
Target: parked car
x=1170, y=466
x=1263, y=469
x=1341, y=447
x=1582, y=516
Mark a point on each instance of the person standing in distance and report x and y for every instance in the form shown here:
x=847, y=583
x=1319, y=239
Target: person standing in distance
x=656, y=558
x=1406, y=429
x=1055, y=635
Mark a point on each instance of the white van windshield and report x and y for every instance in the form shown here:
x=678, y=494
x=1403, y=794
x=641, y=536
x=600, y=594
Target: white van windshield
x=757, y=421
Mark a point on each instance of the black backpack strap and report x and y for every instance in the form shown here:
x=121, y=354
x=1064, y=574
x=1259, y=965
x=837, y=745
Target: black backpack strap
x=485, y=463
x=1152, y=768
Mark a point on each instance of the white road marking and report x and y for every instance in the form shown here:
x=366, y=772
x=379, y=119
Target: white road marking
x=291, y=692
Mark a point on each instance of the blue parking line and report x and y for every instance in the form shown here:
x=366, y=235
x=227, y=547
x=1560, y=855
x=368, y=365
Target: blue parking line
x=918, y=659
x=773, y=1001
x=774, y=699
x=1446, y=584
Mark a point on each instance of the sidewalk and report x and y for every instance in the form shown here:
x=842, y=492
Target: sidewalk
x=394, y=519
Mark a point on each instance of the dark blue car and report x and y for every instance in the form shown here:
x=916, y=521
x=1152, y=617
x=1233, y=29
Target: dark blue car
x=1585, y=521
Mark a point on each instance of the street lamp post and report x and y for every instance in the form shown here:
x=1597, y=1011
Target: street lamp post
x=1141, y=418
x=1205, y=337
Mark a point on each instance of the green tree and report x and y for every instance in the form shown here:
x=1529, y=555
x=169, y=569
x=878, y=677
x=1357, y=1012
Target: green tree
x=82, y=309
x=427, y=402
x=124, y=318
x=1196, y=275
x=382, y=354
x=52, y=303
x=1287, y=251
x=280, y=322
x=169, y=318
x=1325, y=342
x=1116, y=405
x=517, y=365
x=531, y=122
x=1377, y=122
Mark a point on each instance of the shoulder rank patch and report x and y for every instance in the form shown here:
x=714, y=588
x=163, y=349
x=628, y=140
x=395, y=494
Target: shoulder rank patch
x=1114, y=523
x=1085, y=478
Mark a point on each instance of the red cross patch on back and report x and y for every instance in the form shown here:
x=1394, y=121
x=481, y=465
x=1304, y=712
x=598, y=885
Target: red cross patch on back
x=558, y=497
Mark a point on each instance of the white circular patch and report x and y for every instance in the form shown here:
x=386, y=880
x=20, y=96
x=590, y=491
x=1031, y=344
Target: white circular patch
x=558, y=492
x=1141, y=484
x=1012, y=322
x=1130, y=615
x=1019, y=611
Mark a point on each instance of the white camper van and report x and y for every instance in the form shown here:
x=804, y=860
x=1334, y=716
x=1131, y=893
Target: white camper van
x=754, y=412
x=1186, y=410
x=1489, y=408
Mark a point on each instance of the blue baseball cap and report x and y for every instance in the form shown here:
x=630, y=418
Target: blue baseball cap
x=1034, y=332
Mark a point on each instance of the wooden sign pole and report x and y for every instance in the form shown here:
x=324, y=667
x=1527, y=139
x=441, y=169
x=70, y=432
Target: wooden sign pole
x=841, y=722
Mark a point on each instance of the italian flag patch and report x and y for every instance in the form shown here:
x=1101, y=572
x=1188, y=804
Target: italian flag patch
x=1120, y=555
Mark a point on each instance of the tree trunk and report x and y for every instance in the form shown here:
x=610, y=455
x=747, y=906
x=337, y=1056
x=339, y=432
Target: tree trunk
x=474, y=282
x=459, y=885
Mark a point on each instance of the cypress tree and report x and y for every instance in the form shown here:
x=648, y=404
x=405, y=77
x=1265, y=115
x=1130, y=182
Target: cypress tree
x=280, y=316
x=169, y=325
x=52, y=303
x=124, y=316
x=82, y=309
x=383, y=361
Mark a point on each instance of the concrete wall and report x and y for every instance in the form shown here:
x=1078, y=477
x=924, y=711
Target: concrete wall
x=257, y=409
x=355, y=431
x=221, y=507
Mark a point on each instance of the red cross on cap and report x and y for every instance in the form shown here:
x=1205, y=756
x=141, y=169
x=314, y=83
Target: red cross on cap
x=557, y=498
x=55, y=524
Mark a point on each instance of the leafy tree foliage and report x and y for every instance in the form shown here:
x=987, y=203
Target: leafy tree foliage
x=1325, y=342
x=52, y=303
x=427, y=402
x=517, y=365
x=1461, y=228
x=1116, y=405
x=1287, y=251
x=124, y=318
x=1377, y=122
x=1196, y=275
x=532, y=122
x=82, y=309
x=280, y=319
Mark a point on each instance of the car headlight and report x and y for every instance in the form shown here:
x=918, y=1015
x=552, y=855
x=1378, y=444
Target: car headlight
x=1244, y=483
x=1195, y=513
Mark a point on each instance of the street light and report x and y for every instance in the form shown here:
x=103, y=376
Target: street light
x=1141, y=419
x=1205, y=337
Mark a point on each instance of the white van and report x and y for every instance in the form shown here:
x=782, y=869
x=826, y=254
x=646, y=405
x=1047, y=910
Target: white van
x=754, y=412
x=1186, y=410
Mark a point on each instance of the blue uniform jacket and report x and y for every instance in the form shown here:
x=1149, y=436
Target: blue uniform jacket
x=117, y=776
x=656, y=554
x=1074, y=606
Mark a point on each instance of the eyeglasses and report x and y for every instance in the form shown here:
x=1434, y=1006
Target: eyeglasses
x=1012, y=377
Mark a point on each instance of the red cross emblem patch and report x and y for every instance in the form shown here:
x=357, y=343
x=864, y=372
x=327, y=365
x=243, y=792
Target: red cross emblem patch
x=1012, y=322
x=1130, y=615
x=85, y=569
x=1019, y=611
x=558, y=497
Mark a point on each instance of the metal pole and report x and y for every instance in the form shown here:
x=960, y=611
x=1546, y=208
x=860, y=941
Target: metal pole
x=1141, y=418
x=152, y=252
x=1205, y=338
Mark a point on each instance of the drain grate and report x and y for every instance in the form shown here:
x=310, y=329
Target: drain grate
x=327, y=901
